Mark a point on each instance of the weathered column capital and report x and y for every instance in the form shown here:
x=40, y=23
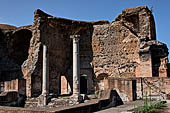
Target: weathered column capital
x=75, y=38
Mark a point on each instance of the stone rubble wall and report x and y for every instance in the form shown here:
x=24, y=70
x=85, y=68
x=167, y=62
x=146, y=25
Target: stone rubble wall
x=116, y=45
x=115, y=49
x=127, y=47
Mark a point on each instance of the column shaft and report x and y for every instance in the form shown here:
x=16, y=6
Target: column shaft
x=76, y=68
x=45, y=85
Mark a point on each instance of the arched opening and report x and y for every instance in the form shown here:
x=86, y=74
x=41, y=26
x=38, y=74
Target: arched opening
x=83, y=84
x=101, y=81
x=18, y=45
x=102, y=76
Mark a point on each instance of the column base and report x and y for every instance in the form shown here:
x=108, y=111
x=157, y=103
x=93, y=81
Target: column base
x=43, y=100
x=77, y=98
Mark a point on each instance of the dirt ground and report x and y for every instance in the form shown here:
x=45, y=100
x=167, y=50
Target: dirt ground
x=164, y=109
x=126, y=108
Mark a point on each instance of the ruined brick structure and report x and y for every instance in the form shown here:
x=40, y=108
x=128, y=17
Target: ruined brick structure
x=124, y=48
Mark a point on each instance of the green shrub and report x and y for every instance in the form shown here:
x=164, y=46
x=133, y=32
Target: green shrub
x=150, y=108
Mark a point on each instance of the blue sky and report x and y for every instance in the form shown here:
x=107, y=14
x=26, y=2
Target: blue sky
x=20, y=12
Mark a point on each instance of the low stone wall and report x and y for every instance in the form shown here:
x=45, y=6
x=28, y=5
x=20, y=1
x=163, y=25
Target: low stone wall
x=130, y=89
x=123, y=86
x=155, y=86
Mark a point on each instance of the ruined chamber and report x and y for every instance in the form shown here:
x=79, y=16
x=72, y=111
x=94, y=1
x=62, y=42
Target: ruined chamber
x=124, y=48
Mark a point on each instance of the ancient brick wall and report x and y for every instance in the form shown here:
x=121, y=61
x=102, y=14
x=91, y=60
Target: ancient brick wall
x=11, y=85
x=116, y=45
x=158, y=87
x=127, y=47
x=115, y=49
x=14, y=44
x=123, y=86
x=55, y=32
x=60, y=47
x=138, y=88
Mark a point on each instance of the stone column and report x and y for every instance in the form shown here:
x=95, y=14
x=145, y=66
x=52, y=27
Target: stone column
x=45, y=83
x=76, y=66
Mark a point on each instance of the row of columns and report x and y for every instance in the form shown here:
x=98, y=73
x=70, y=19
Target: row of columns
x=76, y=70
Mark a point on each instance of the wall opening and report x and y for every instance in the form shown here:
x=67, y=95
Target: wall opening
x=134, y=89
x=18, y=45
x=2, y=85
x=155, y=67
x=155, y=64
x=83, y=84
x=64, y=86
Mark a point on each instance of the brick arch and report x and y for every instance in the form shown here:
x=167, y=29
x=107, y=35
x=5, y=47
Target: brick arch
x=99, y=72
x=102, y=76
x=101, y=81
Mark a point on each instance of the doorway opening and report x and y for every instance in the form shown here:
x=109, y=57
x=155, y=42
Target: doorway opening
x=134, y=89
x=83, y=84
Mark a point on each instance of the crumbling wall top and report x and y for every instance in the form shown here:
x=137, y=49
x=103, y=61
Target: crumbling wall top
x=6, y=26
x=135, y=10
x=40, y=13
